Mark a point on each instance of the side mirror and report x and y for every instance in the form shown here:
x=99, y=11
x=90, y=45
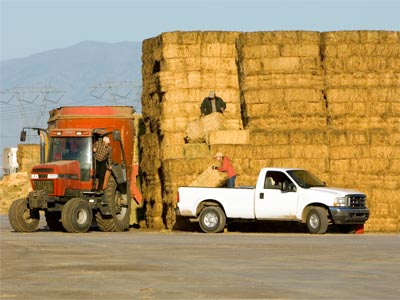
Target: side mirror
x=116, y=135
x=22, y=137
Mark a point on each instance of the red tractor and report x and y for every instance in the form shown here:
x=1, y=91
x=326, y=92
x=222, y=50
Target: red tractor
x=64, y=186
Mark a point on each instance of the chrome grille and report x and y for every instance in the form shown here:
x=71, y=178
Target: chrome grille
x=45, y=185
x=357, y=201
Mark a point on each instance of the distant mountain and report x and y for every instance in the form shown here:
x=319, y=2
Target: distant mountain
x=72, y=70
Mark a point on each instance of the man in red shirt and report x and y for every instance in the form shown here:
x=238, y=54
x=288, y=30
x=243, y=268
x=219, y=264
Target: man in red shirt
x=226, y=166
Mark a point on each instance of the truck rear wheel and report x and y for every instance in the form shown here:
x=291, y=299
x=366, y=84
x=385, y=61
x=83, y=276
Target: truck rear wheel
x=21, y=218
x=212, y=219
x=76, y=215
x=317, y=220
x=120, y=210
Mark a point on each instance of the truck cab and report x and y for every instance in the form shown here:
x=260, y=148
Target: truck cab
x=298, y=195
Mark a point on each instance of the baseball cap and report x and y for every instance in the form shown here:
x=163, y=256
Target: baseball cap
x=219, y=154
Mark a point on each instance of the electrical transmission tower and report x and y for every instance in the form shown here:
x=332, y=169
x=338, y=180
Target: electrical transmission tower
x=29, y=105
x=119, y=92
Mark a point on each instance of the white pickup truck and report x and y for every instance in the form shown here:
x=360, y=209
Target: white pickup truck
x=281, y=194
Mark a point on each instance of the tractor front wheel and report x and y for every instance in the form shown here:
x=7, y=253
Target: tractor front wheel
x=76, y=215
x=21, y=218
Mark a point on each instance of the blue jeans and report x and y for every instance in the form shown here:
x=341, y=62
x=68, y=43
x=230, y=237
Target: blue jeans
x=231, y=182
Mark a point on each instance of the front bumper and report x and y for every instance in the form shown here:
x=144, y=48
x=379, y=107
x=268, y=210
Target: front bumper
x=38, y=199
x=346, y=215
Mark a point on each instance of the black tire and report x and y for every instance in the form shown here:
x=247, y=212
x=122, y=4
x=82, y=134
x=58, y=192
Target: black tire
x=53, y=219
x=317, y=220
x=212, y=219
x=120, y=208
x=21, y=218
x=76, y=216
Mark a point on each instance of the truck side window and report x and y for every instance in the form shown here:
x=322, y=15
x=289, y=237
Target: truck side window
x=275, y=179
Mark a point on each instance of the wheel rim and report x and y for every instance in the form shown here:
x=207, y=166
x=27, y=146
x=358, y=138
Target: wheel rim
x=81, y=216
x=314, y=221
x=27, y=216
x=211, y=220
x=120, y=208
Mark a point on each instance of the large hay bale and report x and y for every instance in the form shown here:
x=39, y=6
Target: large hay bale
x=229, y=137
x=28, y=155
x=197, y=131
x=210, y=178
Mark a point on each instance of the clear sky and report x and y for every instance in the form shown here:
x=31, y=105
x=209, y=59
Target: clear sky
x=32, y=26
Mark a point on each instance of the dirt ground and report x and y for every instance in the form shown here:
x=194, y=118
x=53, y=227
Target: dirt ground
x=190, y=265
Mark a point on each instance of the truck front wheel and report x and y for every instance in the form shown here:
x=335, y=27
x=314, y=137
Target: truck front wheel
x=76, y=215
x=21, y=218
x=317, y=220
x=212, y=219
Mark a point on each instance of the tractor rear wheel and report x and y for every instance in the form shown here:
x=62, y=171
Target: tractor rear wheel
x=120, y=209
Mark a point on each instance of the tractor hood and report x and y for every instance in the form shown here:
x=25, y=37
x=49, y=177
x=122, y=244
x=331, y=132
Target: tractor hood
x=56, y=177
x=67, y=169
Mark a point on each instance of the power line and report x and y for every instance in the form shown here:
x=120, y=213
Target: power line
x=118, y=91
x=28, y=103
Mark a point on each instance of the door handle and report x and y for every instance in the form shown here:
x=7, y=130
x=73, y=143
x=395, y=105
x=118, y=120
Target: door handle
x=261, y=195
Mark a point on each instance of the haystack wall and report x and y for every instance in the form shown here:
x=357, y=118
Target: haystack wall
x=328, y=102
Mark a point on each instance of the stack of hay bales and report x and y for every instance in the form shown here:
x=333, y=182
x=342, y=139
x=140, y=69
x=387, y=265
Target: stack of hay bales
x=363, y=91
x=15, y=186
x=12, y=187
x=179, y=70
x=325, y=102
x=28, y=155
x=281, y=83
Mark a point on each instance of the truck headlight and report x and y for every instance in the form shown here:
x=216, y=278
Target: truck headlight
x=340, y=201
x=34, y=176
x=52, y=176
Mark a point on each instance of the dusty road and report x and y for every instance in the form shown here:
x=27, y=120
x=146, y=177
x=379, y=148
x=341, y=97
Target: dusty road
x=182, y=265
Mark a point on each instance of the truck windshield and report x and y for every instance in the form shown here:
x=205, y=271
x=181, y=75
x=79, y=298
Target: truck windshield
x=305, y=179
x=72, y=148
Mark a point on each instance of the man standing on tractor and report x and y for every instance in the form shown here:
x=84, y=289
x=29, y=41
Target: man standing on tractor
x=103, y=156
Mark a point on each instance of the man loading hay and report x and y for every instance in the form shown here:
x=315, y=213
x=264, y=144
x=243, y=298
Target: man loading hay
x=226, y=166
x=211, y=104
